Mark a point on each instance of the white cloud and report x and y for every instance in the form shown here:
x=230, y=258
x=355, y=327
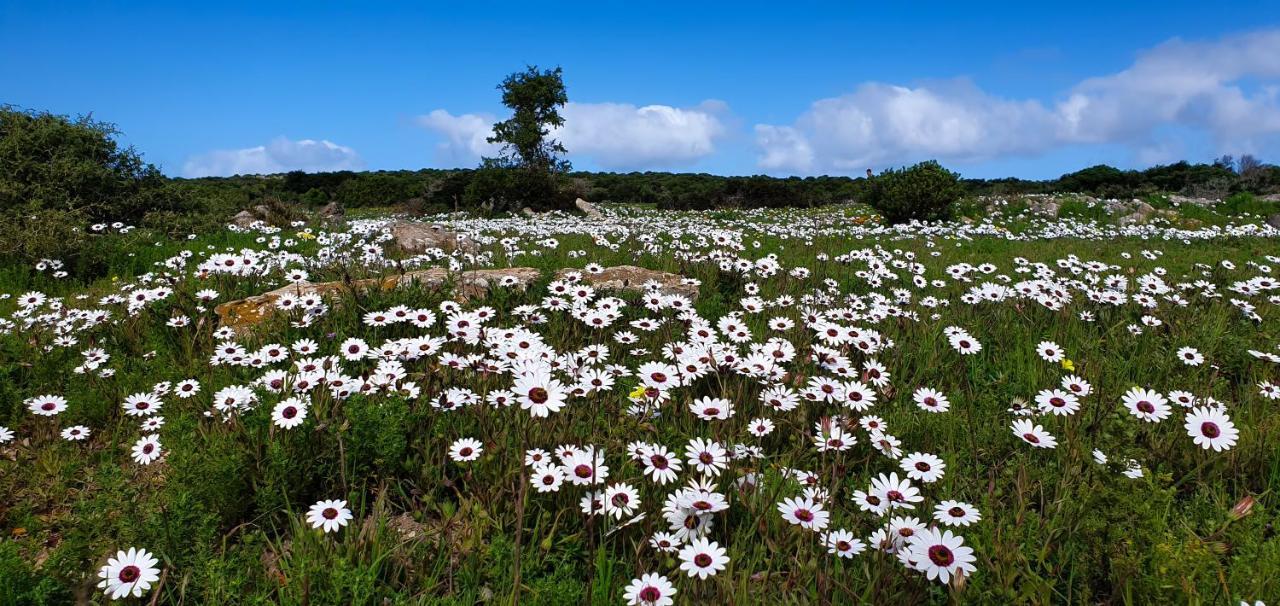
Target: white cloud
x=278, y=156
x=615, y=136
x=465, y=136
x=1199, y=86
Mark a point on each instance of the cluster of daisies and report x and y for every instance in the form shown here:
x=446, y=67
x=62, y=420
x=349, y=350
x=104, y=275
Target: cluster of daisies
x=820, y=351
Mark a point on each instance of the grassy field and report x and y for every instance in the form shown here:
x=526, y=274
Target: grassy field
x=1164, y=495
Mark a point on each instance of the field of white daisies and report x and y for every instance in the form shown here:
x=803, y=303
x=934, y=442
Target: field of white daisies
x=735, y=407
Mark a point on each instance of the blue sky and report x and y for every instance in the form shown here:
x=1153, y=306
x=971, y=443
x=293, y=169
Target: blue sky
x=1004, y=89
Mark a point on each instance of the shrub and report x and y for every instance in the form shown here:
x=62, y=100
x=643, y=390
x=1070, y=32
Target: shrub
x=924, y=192
x=500, y=189
x=1247, y=203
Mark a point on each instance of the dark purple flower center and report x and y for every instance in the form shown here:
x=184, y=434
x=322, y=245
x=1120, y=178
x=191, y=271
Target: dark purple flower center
x=941, y=555
x=130, y=573
x=1210, y=429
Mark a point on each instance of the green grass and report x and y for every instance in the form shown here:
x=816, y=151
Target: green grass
x=223, y=510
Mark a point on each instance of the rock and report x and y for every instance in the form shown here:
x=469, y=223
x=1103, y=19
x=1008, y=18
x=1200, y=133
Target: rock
x=528, y=212
x=245, y=313
x=262, y=210
x=1178, y=200
x=633, y=279
x=418, y=238
x=243, y=219
x=1274, y=220
x=1270, y=198
x=1143, y=209
x=1134, y=218
x=332, y=211
x=588, y=209
x=1050, y=208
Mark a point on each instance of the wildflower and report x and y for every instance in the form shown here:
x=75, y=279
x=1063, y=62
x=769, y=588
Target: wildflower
x=1210, y=427
x=702, y=558
x=329, y=515
x=129, y=573
x=147, y=449
x=289, y=413
x=649, y=590
x=1032, y=434
x=805, y=513
x=941, y=555
x=1147, y=405
x=956, y=513
x=842, y=543
x=465, y=449
x=47, y=406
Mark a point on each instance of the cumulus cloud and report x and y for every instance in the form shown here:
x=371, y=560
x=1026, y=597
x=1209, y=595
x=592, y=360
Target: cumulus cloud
x=465, y=136
x=615, y=136
x=1226, y=89
x=278, y=156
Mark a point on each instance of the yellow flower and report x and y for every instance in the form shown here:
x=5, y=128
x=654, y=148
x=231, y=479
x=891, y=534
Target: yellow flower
x=1068, y=365
x=306, y=235
x=637, y=393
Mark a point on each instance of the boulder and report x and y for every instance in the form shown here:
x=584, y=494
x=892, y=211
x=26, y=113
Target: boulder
x=633, y=279
x=588, y=209
x=1178, y=200
x=332, y=211
x=245, y=313
x=418, y=238
x=243, y=219
x=1274, y=220
x=1270, y=198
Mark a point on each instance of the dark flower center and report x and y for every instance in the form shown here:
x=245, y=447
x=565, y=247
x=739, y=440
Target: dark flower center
x=289, y=412
x=706, y=458
x=1031, y=437
x=873, y=499
x=650, y=594
x=1146, y=407
x=941, y=555
x=1057, y=402
x=658, y=461
x=804, y=515
x=466, y=451
x=894, y=495
x=329, y=513
x=711, y=412
x=922, y=466
x=130, y=573
x=1210, y=430
x=702, y=560
x=538, y=395
x=955, y=512
x=658, y=377
x=582, y=471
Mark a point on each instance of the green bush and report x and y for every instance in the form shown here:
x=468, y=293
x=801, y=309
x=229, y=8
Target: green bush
x=1247, y=203
x=924, y=192
x=500, y=189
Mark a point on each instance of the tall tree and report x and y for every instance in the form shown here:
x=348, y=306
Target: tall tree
x=535, y=98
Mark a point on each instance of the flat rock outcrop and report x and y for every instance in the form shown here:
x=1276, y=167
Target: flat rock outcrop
x=418, y=238
x=633, y=279
x=250, y=311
